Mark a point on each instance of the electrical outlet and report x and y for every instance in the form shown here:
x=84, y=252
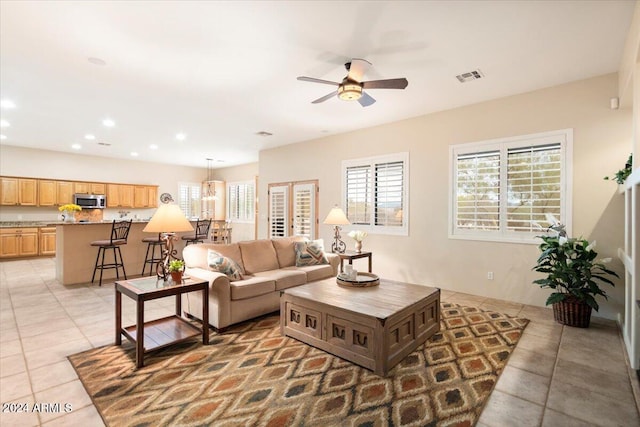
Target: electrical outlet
x=490, y=275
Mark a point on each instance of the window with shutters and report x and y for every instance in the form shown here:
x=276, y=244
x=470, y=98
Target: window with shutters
x=293, y=209
x=503, y=189
x=189, y=199
x=241, y=198
x=375, y=193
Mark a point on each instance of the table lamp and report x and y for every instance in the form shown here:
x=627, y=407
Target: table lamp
x=167, y=220
x=337, y=217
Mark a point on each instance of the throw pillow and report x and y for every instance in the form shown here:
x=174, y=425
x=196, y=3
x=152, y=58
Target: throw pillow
x=224, y=265
x=309, y=253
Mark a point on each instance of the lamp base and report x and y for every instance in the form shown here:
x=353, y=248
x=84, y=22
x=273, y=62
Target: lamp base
x=168, y=253
x=338, y=245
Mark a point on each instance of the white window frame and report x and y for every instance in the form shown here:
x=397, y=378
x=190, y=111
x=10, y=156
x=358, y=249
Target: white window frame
x=372, y=228
x=197, y=212
x=248, y=183
x=562, y=136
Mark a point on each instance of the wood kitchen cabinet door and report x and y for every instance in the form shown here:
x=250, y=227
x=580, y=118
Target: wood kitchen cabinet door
x=28, y=192
x=9, y=191
x=47, y=241
x=17, y=242
x=47, y=193
x=64, y=192
x=126, y=196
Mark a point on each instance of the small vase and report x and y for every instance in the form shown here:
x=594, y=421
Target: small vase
x=68, y=216
x=358, y=246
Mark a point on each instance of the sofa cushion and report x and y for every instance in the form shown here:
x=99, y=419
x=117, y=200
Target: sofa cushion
x=196, y=255
x=315, y=272
x=251, y=287
x=285, y=278
x=285, y=250
x=224, y=265
x=309, y=253
x=258, y=255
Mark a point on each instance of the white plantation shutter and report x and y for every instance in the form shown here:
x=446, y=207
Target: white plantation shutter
x=358, y=188
x=389, y=193
x=304, y=217
x=241, y=201
x=502, y=189
x=478, y=191
x=534, y=186
x=189, y=197
x=375, y=193
x=278, y=211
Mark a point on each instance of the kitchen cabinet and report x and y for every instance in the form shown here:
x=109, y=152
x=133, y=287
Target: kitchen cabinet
x=18, y=191
x=18, y=242
x=47, y=193
x=145, y=196
x=90, y=187
x=64, y=192
x=120, y=196
x=47, y=241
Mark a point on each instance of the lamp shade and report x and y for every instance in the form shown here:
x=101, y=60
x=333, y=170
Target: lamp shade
x=168, y=219
x=336, y=217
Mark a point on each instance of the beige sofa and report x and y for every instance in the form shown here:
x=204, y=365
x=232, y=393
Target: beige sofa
x=269, y=267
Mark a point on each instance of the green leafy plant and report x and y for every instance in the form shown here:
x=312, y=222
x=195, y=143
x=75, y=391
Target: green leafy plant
x=622, y=174
x=176, y=265
x=571, y=268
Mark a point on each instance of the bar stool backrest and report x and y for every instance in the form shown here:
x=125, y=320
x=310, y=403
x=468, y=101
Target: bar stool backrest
x=202, y=228
x=120, y=231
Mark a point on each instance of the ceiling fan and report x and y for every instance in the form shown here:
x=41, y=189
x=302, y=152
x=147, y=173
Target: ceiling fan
x=352, y=86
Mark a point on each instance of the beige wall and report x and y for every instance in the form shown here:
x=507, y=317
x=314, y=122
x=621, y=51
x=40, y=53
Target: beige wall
x=16, y=161
x=601, y=145
x=248, y=172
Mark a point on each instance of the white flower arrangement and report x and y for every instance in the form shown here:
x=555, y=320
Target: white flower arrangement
x=358, y=235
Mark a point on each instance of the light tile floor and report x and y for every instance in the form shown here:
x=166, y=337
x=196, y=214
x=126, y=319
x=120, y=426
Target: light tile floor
x=557, y=376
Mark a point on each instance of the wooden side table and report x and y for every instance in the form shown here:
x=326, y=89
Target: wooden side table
x=351, y=255
x=161, y=332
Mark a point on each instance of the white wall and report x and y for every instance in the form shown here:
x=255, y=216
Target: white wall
x=427, y=256
x=27, y=162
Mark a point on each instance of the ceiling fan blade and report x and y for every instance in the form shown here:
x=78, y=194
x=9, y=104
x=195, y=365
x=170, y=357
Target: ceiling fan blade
x=324, y=98
x=314, y=80
x=358, y=68
x=386, y=84
x=365, y=100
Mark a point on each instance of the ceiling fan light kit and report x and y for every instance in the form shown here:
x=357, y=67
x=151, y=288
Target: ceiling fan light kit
x=351, y=88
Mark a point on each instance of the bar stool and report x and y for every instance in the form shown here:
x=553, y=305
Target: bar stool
x=152, y=244
x=202, y=232
x=119, y=234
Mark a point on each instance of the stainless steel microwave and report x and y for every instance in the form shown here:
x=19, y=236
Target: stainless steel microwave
x=90, y=201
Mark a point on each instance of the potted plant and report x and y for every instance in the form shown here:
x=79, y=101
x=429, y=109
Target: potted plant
x=176, y=268
x=623, y=173
x=573, y=273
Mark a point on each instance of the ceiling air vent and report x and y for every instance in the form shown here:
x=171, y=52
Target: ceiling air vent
x=263, y=133
x=471, y=75
x=106, y=144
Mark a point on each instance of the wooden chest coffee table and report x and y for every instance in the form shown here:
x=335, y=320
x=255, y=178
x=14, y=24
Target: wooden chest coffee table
x=374, y=327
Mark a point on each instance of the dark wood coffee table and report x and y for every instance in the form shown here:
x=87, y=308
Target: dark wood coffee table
x=161, y=332
x=374, y=327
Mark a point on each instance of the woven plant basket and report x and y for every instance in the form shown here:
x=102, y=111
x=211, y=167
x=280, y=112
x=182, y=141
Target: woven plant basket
x=572, y=312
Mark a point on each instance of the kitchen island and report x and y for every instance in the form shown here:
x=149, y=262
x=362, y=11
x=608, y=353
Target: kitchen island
x=75, y=257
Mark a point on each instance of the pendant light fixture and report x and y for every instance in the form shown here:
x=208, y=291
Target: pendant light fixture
x=210, y=193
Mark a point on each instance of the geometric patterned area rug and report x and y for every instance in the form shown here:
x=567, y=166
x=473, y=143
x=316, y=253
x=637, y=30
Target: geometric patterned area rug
x=252, y=376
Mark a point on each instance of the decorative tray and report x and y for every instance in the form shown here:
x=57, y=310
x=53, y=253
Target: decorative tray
x=362, y=280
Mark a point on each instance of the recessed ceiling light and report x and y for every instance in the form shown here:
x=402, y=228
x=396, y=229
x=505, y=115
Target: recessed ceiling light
x=181, y=136
x=97, y=61
x=76, y=146
x=153, y=146
x=134, y=154
x=90, y=137
x=7, y=103
x=108, y=123
x=4, y=123
x=3, y=136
